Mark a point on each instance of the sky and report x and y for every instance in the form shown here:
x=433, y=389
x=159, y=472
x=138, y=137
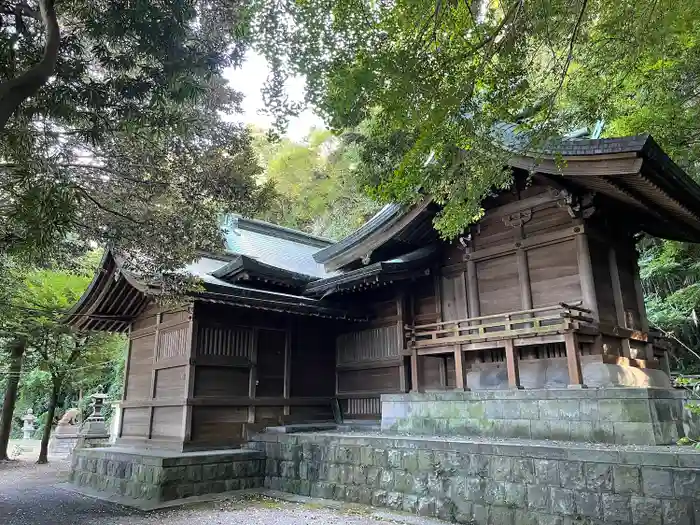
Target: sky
x=249, y=79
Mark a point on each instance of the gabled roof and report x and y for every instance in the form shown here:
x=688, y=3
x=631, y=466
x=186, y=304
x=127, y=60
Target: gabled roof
x=410, y=265
x=632, y=171
x=274, y=245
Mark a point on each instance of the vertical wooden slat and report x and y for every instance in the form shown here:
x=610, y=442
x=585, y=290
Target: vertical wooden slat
x=573, y=360
x=512, y=365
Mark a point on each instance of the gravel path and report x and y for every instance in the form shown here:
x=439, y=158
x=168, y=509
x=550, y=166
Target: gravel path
x=29, y=495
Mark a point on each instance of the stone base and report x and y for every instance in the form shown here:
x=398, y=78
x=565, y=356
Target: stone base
x=152, y=477
x=62, y=444
x=482, y=482
x=553, y=373
x=641, y=416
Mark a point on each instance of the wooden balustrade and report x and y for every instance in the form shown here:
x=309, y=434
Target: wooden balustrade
x=502, y=329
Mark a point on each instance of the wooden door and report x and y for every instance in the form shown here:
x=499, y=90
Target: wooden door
x=270, y=363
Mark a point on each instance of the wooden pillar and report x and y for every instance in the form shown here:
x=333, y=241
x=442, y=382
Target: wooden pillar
x=189, y=378
x=253, y=375
x=415, y=386
x=154, y=372
x=512, y=365
x=573, y=360
x=585, y=270
x=459, y=368
x=642, y=309
x=287, y=380
x=125, y=383
x=401, y=314
x=473, y=289
x=524, y=280
x=617, y=297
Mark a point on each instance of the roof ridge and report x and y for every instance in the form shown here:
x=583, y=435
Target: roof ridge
x=275, y=230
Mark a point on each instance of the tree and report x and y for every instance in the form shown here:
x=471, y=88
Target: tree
x=317, y=187
x=111, y=128
x=437, y=76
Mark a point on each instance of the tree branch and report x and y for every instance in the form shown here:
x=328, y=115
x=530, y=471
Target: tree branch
x=16, y=90
x=20, y=9
x=102, y=207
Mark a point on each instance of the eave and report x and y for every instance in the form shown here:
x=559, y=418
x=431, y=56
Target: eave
x=244, y=268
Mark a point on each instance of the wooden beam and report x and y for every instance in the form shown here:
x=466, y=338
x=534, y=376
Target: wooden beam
x=473, y=290
x=585, y=270
x=642, y=309
x=189, y=377
x=512, y=365
x=573, y=360
x=459, y=369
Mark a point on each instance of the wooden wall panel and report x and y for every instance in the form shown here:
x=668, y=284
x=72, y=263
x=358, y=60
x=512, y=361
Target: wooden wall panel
x=217, y=424
x=167, y=423
x=311, y=413
x=369, y=344
x=499, y=288
x=175, y=316
x=270, y=415
x=135, y=422
x=213, y=381
x=235, y=341
x=170, y=383
x=453, y=291
x=172, y=342
x=554, y=274
x=369, y=380
x=146, y=319
x=432, y=372
x=138, y=384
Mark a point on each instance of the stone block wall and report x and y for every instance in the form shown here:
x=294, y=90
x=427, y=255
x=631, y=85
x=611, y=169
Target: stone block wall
x=155, y=477
x=642, y=416
x=490, y=483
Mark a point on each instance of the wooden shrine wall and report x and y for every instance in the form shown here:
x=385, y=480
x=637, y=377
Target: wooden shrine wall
x=369, y=358
x=156, y=376
x=219, y=373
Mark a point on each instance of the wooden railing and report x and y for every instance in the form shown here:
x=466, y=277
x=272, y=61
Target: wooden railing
x=510, y=325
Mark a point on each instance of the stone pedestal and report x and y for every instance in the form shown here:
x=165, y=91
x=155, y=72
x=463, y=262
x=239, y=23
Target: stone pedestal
x=150, y=478
x=639, y=416
x=64, y=440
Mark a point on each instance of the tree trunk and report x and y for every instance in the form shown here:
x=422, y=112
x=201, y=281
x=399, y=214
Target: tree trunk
x=8, y=405
x=46, y=435
x=16, y=90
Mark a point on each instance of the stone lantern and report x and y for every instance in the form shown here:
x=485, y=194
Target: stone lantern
x=28, y=428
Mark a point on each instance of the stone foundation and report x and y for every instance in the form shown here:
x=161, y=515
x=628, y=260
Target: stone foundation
x=642, y=416
x=478, y=482
x=153, y=477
